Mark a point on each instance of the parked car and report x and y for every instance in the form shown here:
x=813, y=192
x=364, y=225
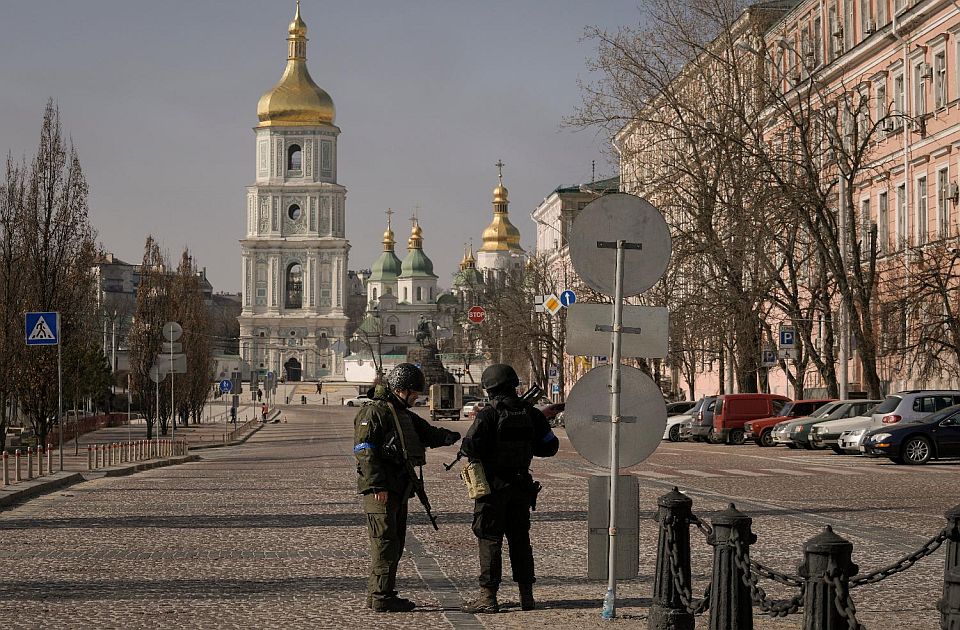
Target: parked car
x=761, y=430
x=827, y=434
x=676, y=424
x=471, y=408
x=357, y=401
x=734, y=410
x=678, y=408
x=935, y=436
x=914, y=404
x=801, y=429
x=701, y=423
x=903, y=406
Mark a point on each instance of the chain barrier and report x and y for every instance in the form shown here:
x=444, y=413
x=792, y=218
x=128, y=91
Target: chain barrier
x=759, y=596
x=692, y=605
x=702, y=525
x=841, y=598
x=903, y=563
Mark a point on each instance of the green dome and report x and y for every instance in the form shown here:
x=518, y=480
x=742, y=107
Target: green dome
x=386, y=269
x=469, y=277
x=417, y=265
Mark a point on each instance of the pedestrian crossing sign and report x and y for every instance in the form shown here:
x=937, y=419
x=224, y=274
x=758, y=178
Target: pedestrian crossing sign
x=43, y=329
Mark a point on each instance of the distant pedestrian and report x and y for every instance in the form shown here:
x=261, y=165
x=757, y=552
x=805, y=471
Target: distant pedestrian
x=259, y=394
x=233, y=414
x=263, y=412
x=319, y=387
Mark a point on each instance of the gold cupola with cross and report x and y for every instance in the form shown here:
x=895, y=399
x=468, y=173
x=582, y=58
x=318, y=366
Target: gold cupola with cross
x=501, y=235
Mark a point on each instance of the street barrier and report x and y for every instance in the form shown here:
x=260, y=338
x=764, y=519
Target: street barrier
x=6, y=469
x=116, y=453
x=823, y=583
x=239, y=431
x=29, y=462
x=16, y=476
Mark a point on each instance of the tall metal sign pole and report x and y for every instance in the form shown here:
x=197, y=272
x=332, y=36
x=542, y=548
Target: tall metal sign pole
x=172, y=331
x=638, y=228
x=43, y=329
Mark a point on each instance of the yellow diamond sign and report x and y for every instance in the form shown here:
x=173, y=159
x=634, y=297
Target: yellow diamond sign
x=552, y=304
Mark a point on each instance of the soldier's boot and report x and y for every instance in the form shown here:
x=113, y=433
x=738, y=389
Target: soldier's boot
x=485, y=603
x=526, y=597
x=393, y=604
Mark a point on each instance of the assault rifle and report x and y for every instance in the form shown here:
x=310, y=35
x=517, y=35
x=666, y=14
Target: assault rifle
x=528, y=396
x=421, y=492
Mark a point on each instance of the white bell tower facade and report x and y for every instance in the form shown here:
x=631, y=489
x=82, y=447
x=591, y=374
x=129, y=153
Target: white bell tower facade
x=294, y=254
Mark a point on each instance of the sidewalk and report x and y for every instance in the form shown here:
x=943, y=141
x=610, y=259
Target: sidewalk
x=76, y=468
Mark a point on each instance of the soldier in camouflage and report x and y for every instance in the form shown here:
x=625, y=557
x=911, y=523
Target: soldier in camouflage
x=385, y=433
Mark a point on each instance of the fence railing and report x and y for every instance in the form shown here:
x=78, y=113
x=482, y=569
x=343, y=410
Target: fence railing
x=823, y=584
x=230, y=436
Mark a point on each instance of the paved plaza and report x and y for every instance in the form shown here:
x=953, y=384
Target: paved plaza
x=269, y=534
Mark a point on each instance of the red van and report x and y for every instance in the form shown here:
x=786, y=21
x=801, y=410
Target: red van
x=733, y=410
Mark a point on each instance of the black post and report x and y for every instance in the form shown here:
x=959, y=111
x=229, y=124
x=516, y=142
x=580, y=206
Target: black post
x=731, y=607
x=823, y=553
x=667, y=611
x=949, y=605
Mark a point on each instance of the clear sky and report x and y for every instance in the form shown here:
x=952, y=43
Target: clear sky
x=160, y=99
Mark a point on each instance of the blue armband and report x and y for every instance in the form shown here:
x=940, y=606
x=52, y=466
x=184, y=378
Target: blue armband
x=549, y=436
x=362, y=445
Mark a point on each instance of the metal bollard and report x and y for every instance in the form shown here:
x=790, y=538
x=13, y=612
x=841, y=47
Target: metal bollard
x=89, y=457
x=826, y=555
x=667, y=611
x=16, y=476
x=39, y=461
x=731, y=607
x=6, y=469
x=50, y=459
x=949, y=605
x=29, y=462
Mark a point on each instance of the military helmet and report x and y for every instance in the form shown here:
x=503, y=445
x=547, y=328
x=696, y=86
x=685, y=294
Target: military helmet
x=406, y=376
x=499, y=375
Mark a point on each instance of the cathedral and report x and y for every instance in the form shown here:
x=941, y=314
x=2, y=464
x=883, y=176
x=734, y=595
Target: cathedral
x=294, y=253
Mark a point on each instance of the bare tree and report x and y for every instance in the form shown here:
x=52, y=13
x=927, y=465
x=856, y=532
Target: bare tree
x=146, y=337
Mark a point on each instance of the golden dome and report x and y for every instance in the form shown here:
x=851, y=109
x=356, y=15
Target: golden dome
x=501, y=235
x=388, y=241
x=296, y=100
x=500, y=194
x=416, y=237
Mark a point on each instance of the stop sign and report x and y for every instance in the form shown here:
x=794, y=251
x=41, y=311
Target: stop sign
x=476, y=314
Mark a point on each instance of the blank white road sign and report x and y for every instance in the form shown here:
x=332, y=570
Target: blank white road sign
x=583, y=338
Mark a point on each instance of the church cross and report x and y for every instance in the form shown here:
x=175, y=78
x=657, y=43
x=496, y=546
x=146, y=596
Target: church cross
x=389, y=213
x=500, y=166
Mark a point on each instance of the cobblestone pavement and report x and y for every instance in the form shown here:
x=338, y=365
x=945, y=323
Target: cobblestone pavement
x=269, y=534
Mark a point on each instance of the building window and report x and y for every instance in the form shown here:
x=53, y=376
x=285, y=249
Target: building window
x=835, y=34
x=919, y=88
x=880, y=89
x=261, y=279
x=883, y=230
x=847, y=24
x=294, y=158
x=901, y=214
x=393, y=330
x=419, y=294
x=865, y=220
x=405, y=298
x=921, y=210
x=374, y=295
x=881, y=13
x=294, y=212
x=943, y=210
x=940, y=79
x=817, y=41
x=864, y=19
x=898, y=101
x=294, y=293
x=431, y=294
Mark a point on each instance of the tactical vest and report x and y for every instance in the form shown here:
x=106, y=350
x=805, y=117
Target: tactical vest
x=515, y=437
x=416, y=452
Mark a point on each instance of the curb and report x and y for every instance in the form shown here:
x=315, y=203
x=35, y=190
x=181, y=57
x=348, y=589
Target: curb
x=31, y=489
x=118, y=471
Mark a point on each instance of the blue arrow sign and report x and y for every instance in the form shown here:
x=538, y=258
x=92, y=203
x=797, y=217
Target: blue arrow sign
x=226, y=385
x=43, y=329
x=568, y=297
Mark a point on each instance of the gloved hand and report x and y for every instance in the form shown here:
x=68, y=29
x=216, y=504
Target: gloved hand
x=452, y=437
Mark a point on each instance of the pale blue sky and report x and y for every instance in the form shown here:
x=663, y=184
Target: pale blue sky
x=160, y=99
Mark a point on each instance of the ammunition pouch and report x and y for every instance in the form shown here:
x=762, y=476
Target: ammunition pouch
x=475, y=479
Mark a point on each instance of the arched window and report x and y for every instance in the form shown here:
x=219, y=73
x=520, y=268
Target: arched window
x=294, y=212
x=374, y=295
x=393, y=330
x=294, y=158
x=419, y=294
x=431, y=294
x=404, y=294
x=294, y=286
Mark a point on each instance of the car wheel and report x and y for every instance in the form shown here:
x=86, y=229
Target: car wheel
x=736, y=437
x=838, y=450
x=766, y=438
x=674, y=435
x=713, y=438
x=917, y=450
